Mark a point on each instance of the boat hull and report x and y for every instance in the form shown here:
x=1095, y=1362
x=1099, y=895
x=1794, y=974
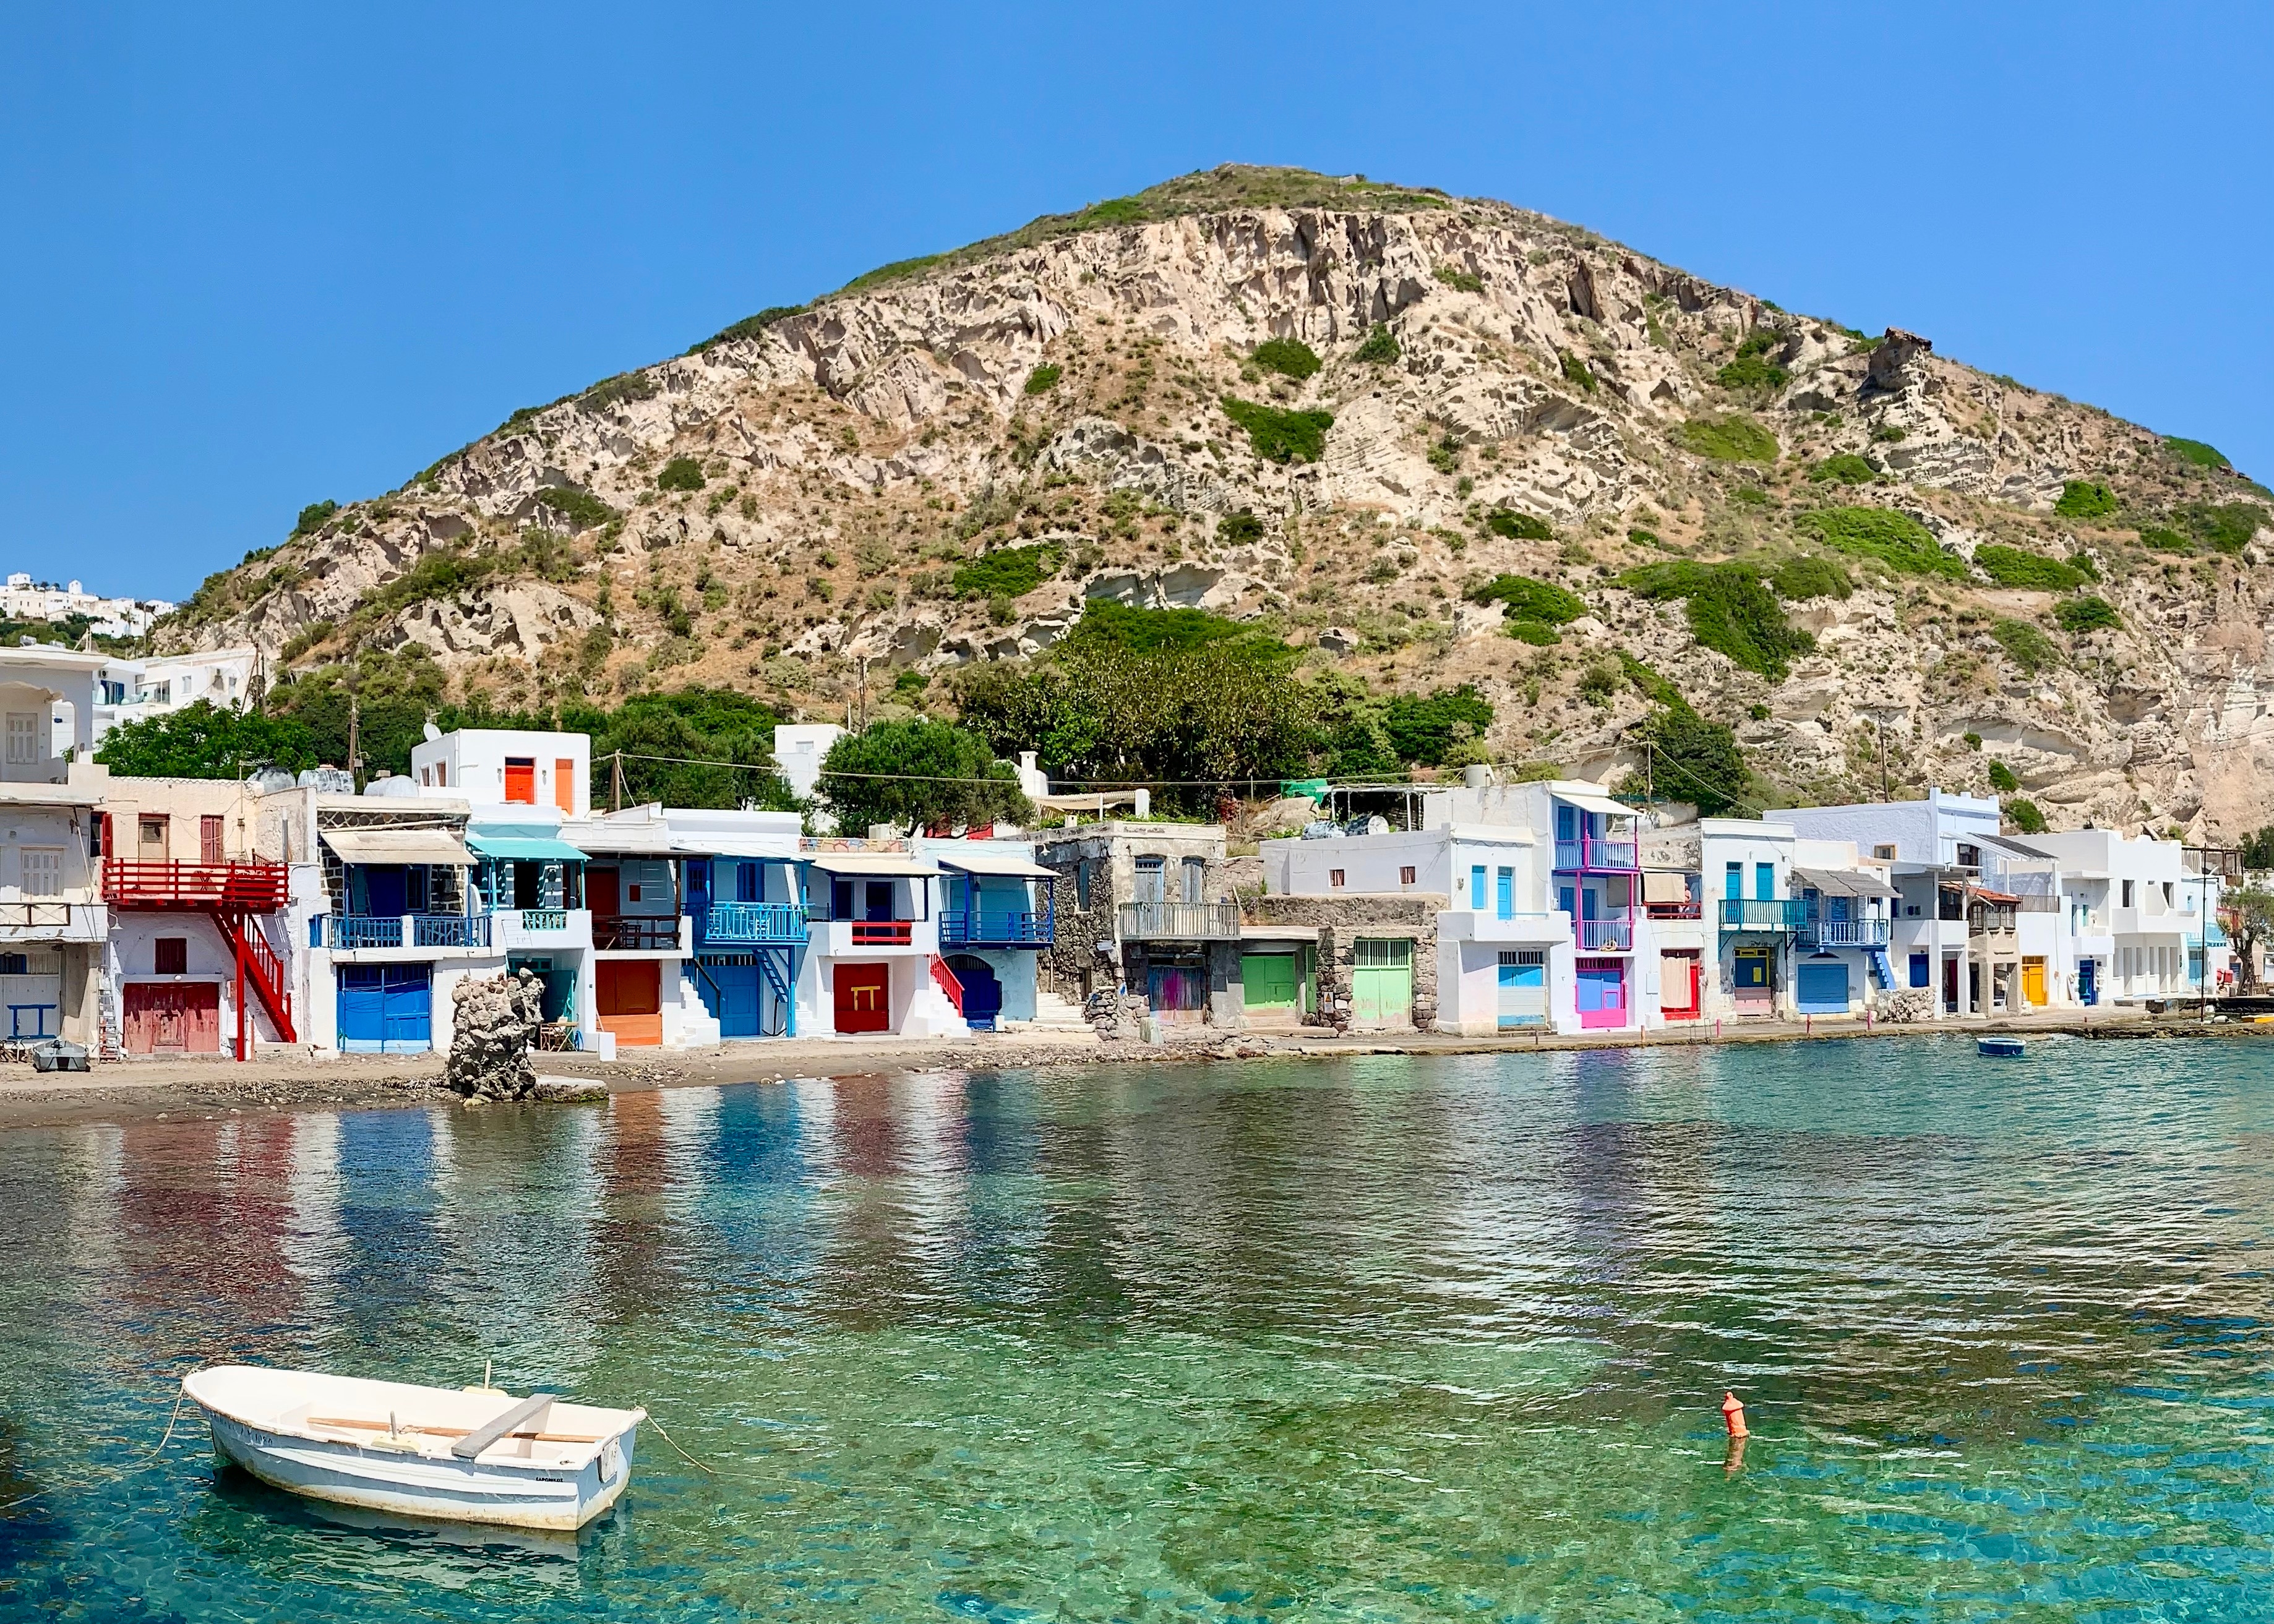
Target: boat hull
x=505, y=1493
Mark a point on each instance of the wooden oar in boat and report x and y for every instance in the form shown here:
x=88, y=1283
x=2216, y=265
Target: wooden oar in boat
x=350, y=1425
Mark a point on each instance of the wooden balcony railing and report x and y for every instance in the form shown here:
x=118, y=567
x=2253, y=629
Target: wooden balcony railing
x=239, y=887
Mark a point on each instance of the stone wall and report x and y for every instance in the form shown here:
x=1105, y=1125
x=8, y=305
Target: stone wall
x=1341, y=921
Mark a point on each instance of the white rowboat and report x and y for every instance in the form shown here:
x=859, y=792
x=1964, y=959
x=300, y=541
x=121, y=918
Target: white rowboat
x=471, y=1455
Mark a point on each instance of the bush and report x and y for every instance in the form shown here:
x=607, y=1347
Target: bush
x=1694, y=760
x=1576, y=371
x=1648, y=683
x=206, y=741
x=1895, y=539
x=313, y=516
x=1518, y=526
x=1730, y=610
x=2196, y=452
x=1239, y=528
x=1380, y=347
x=2225, y=527
x=750, y=327
x=1534, y=632
x=680, y=474
x=2025, y=645
x=1846, y=469
x=2160, y=539
x=1732, y=438
x=617, y=390
x=1007, y=572
x=2033, y=572
x=2078, y=615
x=2082, y=499
x=2024, y=816
x=583, y=510
x=1044, y=378
x=1281, y=436
x=1752, y=372
x=1531, y=600
x=1425, y=729
x=2002, y=778
x=919, y=772
x=1290, y=357
x=1445, y=456
x=1107, y=623
x=1808, y=577
x=1465, y=282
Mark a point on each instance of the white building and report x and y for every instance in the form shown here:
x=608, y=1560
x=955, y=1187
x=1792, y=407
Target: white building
x=2134, y=908
x=23, y=598
x=130, y=690
x=509, y=767
x=799, y=750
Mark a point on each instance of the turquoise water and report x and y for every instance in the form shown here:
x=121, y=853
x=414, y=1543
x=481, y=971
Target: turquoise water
x=1387, y=1339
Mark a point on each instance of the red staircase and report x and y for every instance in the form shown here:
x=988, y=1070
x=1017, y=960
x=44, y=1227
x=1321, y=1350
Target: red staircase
x=230, y=894
x=948, y=983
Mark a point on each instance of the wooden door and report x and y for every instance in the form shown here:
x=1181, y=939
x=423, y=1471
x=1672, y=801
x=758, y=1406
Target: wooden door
x=2033, y=983
x=521, y=780
x=863, y=997
x=209, y=840
x=602, y=892
x=564, y=786
x=171, y=1017
x=627, y=997
x=1382, y=980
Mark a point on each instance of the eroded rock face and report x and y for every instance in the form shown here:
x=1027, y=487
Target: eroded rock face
x=493, y=1026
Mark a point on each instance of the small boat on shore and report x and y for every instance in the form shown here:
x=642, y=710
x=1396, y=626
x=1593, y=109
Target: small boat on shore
x=2002, y=1049
x=471, y=1455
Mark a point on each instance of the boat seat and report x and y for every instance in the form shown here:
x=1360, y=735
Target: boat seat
x=483, y=1436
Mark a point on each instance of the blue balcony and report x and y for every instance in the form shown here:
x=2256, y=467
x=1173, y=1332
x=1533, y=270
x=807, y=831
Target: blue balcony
x=1741, y=914
x=1595, y=854
x=348, y=932
x=755, y=924
x=991, y=927
x=1846, y=932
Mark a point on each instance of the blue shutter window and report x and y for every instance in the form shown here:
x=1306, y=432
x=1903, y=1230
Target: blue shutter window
x=1477, y=886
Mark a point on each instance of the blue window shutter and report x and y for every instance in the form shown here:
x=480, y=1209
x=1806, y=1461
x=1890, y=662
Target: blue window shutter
x=1763, y=882
x=1477, y=886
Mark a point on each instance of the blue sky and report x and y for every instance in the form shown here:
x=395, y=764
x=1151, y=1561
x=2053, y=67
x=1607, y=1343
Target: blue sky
x=257, y=256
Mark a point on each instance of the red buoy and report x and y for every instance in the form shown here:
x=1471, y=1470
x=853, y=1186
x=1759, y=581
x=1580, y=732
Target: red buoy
x=1733, y=1416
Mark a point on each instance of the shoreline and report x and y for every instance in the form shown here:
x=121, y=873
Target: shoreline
x=208, y=1088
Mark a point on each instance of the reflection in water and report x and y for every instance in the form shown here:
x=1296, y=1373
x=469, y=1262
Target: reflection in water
x=1390, y=1338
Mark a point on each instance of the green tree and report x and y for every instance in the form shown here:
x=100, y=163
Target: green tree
x=2248, y=916
x=206, y=741
x=1693, y=760
x=389, y=696
x=934, y=774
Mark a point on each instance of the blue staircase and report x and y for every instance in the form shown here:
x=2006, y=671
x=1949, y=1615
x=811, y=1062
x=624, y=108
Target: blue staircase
x=1883, y=969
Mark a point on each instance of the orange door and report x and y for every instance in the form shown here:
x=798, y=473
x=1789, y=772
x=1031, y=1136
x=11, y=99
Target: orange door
x=521, y=779
x=864, y=997
x=629, y=999
x=564, y=786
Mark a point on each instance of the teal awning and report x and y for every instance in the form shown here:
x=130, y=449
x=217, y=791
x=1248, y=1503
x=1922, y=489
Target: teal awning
x=525, y=848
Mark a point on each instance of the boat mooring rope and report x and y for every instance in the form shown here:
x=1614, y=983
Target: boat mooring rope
x=684, y=1455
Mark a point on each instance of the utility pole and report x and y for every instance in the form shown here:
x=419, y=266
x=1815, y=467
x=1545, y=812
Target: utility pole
x=355, y=745
x=1650, y=771
x=616, y=787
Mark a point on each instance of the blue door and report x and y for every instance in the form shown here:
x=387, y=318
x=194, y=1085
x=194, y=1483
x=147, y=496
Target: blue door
x=2088, y=981
x=983, y=994
x=385, y=1008
x=730, y=992
x=1822, y=987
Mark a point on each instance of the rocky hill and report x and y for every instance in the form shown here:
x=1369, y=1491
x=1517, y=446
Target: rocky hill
x=1384, y=421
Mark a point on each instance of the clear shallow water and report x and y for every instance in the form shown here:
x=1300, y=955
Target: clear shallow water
x=1382, y=1340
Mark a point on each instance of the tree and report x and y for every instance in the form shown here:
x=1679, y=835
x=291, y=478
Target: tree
x=697, y=747
x=2248, y=916
x=934, y=774
x=1693, y=760
x=206, y=741
x=388, y=694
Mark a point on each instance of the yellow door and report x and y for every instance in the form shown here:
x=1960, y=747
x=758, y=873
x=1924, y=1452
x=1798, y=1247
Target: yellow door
x=2033, y=983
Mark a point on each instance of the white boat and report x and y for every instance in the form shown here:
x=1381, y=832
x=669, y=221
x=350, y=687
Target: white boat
x=458, y=1454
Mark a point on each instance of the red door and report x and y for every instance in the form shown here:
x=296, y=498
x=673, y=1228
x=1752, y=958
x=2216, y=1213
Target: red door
x=628, y=995
x=521, y=779
x=864, y=997
x=172, y=1018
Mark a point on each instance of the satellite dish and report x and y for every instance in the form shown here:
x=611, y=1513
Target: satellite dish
x=432, y=733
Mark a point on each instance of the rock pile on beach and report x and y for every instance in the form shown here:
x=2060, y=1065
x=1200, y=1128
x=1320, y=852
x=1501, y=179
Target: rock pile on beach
x=493, y=1025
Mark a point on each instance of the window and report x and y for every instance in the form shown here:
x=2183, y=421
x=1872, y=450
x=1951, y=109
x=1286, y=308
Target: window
x=1381, y=952
x=1406, y=875
x=1763, y=882
x=1152, y=879
x=15, y=963
x=1968, y=856
x=151, y=833
x=1504, y=895
x=209, y=840
x=1567, y=822
x=1886, y=853
x=23, y=739
x=748, y=882
x=1195, y=877
x=1733, y=880
x=2127, y=893
x=2167, y=893
x=1081, y=883
x=1335, y=878
x=172, y=955
x=442, y=775
x=43, y=870
x=632, y=892
x=1477, y=886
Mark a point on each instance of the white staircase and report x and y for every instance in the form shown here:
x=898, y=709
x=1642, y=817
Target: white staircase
x=1053, y=1013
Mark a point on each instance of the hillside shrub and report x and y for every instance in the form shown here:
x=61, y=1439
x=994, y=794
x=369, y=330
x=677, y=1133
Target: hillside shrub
x=1577, y=372
x=2162, y=539
x=2026, y=645
x=1752, y=369
x=2079, y=615
x=1692, y=759
x=2085, y=499
x=1290, y=357
x=1846, y=469
x=2002, y=778
x=1734, y=438
x=1537, y=633
x=624, y=388
x=1807, y=577
x=748, y=327
x=2196, y=452
x=1895, y=539
x=1044, y=378
x=1730, y=610
x=1537, y=601
x=2012, y=567
x=583, y=510
x=1424, y=728
x=1281, y=436
x=1007, y=572
x=1239, y=528
x=1107, y=623
x=313, y=516
x=1465, y=282
x=2025, y=815
x=1380, y=347
x=1445, y=454
x=1518, y=526
x=2223, y=527
x=680, y=474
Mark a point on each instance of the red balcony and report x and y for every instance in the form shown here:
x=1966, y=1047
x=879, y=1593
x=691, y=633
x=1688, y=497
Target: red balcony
x=882, y=932
x=233, y=887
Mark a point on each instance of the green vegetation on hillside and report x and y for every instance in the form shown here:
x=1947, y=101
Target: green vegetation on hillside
x=1752, y=370
x=1530, y=603
x=1108, y=623
x=1044, y=378
x=1732, y=438
x=1576, y=371
x=1290, y=357
x=583, y=510
x=2012, y=567
x=2223, y=527
x=1380, y=346
x=1281, y=436
x=1845, y=469
x=1804, y=576
x=2079, y=615
x=1895, y=539
x=1459, y=280
x=750, y=327
x=1730, y=610
x=1518, y=526
x=681, y=473
x=2085, y=499
x=312, y=518
x=1007, y=572
x=2026, y=645
x=920, y=773
x=2196, y=452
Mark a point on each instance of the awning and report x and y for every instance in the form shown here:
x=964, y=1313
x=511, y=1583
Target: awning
x=1983, y=894
x=1591, y=801
x=1007, y=865
x=756, y=848
x=1843, y=882
x=1662, y=885
x=1294, y=936
x=874, y=865
x=525, y=848
x=596, y=835
x=437, y=846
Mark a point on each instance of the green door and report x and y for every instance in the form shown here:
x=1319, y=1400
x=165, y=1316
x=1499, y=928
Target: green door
x=1382, y=980
x=1268, y=981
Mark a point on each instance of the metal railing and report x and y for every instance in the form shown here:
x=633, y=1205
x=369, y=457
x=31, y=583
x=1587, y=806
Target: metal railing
x=1692, y=909
x=1847, y=932
x=1595, y=852
x=960, y=928
x=542, y=919
x=636, y=933
x=1605, y=935
x=1180, y=922
x=754, y=921
x=247, y=887
x=882, y=932
x=449, y=930
x=1749, y=913
x=348, y=932
x=45, y=915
